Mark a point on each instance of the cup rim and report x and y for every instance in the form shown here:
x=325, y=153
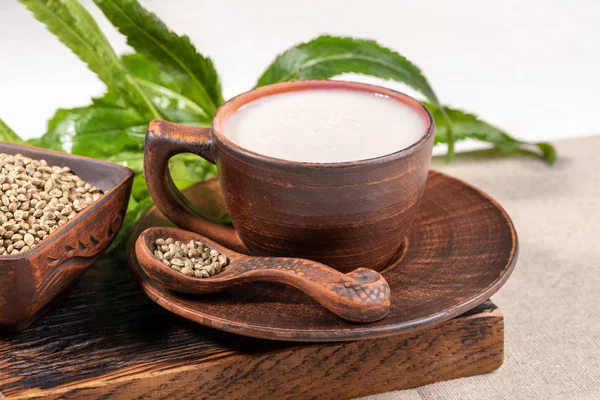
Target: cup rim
x=234, y=104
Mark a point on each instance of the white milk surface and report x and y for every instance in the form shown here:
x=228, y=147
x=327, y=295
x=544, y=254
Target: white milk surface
x=325, y=126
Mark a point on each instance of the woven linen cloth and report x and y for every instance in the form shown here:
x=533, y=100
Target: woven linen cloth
x=551, y=303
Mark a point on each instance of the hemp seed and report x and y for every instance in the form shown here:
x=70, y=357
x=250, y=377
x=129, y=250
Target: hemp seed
x=191, y=259
x=36, y=199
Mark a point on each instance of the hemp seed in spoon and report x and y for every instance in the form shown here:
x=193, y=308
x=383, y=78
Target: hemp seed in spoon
x=191, y=259
x=36, y=199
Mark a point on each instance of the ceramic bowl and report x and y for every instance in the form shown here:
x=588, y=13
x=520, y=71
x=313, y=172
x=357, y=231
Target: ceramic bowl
x=30, y=281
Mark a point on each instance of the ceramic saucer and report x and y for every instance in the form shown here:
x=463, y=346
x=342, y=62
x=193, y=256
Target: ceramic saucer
x=461, y=249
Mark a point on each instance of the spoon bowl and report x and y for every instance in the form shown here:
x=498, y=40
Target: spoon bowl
x=362, y=295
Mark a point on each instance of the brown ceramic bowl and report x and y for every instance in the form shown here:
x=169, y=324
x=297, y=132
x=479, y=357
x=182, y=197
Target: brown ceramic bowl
x=31, y=280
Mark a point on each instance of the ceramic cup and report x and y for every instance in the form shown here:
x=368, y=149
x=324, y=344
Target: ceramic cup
x=345, y=214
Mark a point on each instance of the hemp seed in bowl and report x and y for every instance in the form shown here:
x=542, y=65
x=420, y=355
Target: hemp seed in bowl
x=36, y=199
x=191, y=259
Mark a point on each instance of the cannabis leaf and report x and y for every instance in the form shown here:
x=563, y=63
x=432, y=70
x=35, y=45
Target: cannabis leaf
x=76, y=28
x=150, y=37
x=328, y=56
x=470, y=126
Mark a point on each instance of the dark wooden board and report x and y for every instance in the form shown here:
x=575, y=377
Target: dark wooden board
x=107, y=340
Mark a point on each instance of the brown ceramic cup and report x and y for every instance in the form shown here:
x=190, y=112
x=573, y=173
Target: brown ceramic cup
x=345, y=214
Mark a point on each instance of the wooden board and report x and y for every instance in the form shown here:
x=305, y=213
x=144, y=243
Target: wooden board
x=107, y=340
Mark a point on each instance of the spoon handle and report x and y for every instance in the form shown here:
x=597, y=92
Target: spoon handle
x=362, y=295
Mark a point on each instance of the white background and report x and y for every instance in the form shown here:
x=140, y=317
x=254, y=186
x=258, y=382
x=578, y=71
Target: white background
x=531, y=67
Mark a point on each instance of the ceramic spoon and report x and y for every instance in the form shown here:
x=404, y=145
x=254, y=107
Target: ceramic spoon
x=362, y=295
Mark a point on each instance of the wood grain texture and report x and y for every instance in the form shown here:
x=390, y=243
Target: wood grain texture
x=31, y=280
x=345, y=215
x=461, y=249
x=362, y=295
x=106, y=340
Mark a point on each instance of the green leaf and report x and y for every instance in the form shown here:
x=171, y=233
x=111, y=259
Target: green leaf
x=328, y=56
x=111, y=99
x=225, y=218
x=76, y=28
x=548, y=152
x=188, y=169
x=469, y=126
x=166, y=87
x=139, y=189
x=163, y=87
x=95, y=131
x=135, y=211
x=8, y=135
x=149, y=36
x=131, y=159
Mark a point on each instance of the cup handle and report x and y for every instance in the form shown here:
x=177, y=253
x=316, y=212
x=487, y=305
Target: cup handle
x=163, y=141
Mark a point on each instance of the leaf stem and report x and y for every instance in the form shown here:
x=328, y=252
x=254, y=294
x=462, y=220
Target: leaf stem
x=450, y=133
